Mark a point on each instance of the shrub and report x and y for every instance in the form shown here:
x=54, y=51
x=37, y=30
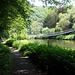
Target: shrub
x=9, y=42
x=45, y=30
x=60, y=37
x=22, y=37
x=57, y=60
x=18, y=43
x=48, y=30
x=5, y=59
x=70, y=37
x=27, y=47
x=58, y=29
x=66, y=37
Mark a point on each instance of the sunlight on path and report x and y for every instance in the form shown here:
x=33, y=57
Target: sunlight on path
x=23, y=65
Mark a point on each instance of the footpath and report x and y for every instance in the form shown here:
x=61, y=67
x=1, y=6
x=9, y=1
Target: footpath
x=22, y=65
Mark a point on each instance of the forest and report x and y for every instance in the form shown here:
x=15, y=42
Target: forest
x=51, y=19
x=19, y=19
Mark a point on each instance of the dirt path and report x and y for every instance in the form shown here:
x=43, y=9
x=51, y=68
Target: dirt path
x=23, y=65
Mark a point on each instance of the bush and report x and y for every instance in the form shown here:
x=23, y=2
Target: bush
x=48, y=30
x=60, y=37
x=66, y=37
x=5, y=59
x=22, y=37
x=57, y=29
x=9, y=42
x=71, y=37
x=57, y=60
x=25, y=49
x=18, y=43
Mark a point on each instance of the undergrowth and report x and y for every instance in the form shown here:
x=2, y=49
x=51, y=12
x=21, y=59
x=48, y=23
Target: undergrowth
x=53, y=59
x=5, y=59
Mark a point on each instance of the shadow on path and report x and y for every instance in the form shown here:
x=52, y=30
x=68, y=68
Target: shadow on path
x=22, y=65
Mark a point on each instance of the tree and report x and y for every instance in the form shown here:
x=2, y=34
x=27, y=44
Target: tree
x=11, y=10
x=56, y=2
x=35, y=28
x=47, y=30
x=37, y=19
x=63, y=24
x=50, y=19
x=72, y=16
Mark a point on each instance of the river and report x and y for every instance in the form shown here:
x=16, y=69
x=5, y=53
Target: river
x=62, y=43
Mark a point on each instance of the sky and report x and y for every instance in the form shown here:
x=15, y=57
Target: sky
x=39, y=3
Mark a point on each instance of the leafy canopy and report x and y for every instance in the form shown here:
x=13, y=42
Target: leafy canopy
x=10, y=10
x=57, y=2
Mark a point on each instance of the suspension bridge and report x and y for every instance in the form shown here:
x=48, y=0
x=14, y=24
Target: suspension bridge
x=56, y=33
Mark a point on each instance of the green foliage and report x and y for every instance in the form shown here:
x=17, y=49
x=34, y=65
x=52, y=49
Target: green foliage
x=14, y=11
x=58, y=29
x=64, y=16
x=73, y=25
x=55, y=59
x=35, y=28
x=64, y=21
x=37, y=20
x=25, y=49
x=60, y=21
x=20, y=36
x=60, y=37
x=18, y=43
x=64, y=24
x=66, y=37
x=56, y=2
x=51, y=18
x=9, y=41
x=47, y=30
x=5, y=59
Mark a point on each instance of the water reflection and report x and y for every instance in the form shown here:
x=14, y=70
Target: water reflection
x=62, y=43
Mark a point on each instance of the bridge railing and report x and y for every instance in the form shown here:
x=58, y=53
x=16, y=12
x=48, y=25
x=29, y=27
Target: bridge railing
x=55, y=33
x=59, y=33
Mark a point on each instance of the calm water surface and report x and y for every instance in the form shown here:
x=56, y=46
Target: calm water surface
x=62, y=43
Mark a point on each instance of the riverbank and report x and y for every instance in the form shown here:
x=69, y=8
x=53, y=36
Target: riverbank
x=60, y=37
x=53, y=59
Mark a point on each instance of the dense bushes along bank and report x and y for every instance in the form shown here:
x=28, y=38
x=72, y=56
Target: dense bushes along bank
x=66, y=37
x=56, y=60
x=60, y=37
x=5, y=59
